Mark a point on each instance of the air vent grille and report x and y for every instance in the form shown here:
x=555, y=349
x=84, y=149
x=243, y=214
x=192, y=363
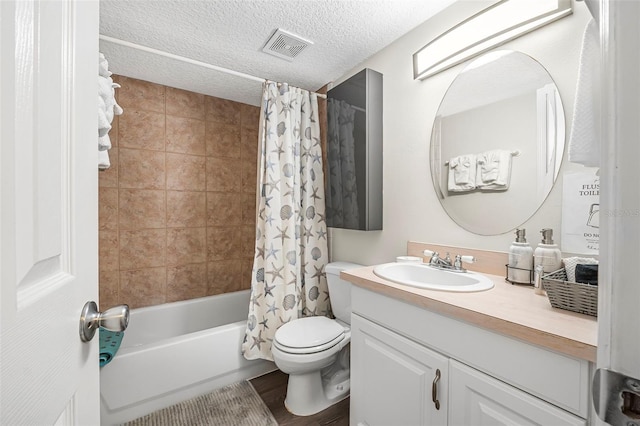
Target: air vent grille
x=285, y=45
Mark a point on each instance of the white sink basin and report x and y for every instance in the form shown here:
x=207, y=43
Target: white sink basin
x=428, y=277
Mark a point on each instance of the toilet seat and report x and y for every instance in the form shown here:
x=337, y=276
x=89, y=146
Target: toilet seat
x=308, y=335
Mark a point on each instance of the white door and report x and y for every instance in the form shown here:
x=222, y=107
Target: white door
x=619, y=296
x=394, y=380
x=48, y=211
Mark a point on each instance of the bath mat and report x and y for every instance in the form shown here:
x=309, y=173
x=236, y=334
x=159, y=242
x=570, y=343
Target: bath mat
x=237, y=404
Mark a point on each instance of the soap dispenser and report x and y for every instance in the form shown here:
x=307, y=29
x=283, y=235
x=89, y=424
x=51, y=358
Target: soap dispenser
x=547, y=253
x=520, y=259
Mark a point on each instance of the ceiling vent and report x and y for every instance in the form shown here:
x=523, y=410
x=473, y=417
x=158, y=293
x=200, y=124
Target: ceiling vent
x=285, y=45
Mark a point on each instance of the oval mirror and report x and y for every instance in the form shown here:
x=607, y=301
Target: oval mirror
x=497, y=142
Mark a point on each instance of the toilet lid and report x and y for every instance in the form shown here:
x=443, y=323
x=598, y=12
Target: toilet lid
x=309, y=332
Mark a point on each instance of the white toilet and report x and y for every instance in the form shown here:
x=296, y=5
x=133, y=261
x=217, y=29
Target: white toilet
x=314, y=351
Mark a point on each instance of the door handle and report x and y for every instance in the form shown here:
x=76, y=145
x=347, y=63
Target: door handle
x=434, y=390
x=113, y=319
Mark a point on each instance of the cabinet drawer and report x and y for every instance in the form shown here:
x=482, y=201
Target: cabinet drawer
x=478, y=399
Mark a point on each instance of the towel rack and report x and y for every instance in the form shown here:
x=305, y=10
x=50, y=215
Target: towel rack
x=514, y=153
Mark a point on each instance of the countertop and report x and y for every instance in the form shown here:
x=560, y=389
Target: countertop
x=508, y=309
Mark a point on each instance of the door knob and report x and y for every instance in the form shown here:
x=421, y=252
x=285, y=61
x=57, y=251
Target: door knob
x=113, y=319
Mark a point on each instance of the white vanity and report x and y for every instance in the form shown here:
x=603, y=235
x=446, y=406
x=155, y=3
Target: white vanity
x=503, y=356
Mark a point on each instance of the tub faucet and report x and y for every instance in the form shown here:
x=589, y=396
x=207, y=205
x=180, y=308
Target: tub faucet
x=456, y=265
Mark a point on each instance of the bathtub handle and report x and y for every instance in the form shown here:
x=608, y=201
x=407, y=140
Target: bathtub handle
x=113, y=319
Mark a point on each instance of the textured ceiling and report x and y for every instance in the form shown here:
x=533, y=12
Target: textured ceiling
x=231, y=34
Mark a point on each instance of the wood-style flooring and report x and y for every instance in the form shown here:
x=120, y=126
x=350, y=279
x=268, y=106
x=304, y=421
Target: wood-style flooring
x=272, y=388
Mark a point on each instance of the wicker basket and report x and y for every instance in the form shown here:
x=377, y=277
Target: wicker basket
x=576, y=297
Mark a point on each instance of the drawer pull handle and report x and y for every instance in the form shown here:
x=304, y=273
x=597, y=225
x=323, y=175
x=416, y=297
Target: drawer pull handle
x=434, y=390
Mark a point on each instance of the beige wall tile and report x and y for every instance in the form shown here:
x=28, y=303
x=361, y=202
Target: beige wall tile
x=224, y=276
x=223, y=140
x=142, y=248
x=182, y=103
x=109, y=289
x=185, y=135
x=143, y=287
x=142, y=208
x=108, y=251
x=248, y=241
x=142, y=130
x=224, y=209
x=250, y=116
x=245, y=279
x=186, y=245
x=249, y=176
x=224, y=175
x=141, y=169
x=249, y=145
x=186, y=282
x=248, y=209
x=224, y=243
x=140, y=95
x=109, y=178
x=186, y=209
x=222, y=110
x=107, y=209
x=186, y=172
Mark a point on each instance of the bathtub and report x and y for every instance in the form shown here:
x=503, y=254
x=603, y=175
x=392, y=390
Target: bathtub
x=176, y=351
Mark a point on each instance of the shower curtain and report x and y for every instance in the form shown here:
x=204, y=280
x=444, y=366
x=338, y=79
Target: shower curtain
x=342, y=201
x=288, y=278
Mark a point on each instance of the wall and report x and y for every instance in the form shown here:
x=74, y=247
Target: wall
x=411, y=208
x=177, y=206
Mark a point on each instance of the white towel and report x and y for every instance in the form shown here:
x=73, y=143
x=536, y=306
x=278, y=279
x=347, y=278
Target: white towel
x=570, y=264
x=584, y=142
x=494, y=170
x=103, y=160
x=104, y=143
x=462, y=173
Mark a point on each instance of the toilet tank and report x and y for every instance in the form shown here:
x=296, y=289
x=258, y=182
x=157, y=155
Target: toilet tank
x=340, y=290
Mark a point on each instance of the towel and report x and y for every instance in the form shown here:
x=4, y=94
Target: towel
x=570, y=264
x=494, y=170
x=462, y=173
x=109, y=344
x=103, y=160
x=584, y=142
x=104, y=143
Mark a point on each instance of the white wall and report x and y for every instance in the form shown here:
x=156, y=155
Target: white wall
x=411, y=209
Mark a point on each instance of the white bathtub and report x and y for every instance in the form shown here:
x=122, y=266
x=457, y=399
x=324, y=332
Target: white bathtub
x=174, y=352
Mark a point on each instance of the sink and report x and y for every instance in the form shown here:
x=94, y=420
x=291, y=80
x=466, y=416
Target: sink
x=430, y=278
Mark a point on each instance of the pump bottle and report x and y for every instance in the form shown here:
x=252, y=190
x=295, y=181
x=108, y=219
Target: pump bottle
x=520, y=259
x=547, y=253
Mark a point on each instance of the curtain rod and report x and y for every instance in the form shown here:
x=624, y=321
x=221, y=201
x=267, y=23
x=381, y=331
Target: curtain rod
x=188, y=60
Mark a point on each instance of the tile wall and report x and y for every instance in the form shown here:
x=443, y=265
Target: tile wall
x=177, y=206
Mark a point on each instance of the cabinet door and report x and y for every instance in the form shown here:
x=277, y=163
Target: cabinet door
x=392, y=379
x=478, y=399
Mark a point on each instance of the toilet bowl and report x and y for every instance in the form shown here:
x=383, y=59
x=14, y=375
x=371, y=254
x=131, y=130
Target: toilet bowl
x=314, y=351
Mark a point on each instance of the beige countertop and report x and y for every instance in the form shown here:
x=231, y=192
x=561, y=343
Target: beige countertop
x=508, y=309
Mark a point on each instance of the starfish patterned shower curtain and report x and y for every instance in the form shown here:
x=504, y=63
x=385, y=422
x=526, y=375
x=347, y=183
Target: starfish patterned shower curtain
x=288, y=278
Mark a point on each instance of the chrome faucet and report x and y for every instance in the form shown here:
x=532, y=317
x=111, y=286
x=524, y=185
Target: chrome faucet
x=456, y=266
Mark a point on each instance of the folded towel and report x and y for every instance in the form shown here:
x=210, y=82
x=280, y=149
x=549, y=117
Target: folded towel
x=587, y=274
x=103, y=160
x=494, y=170
x=109, y=344
x=462, y=173
x=584, y=142
x=570, y=264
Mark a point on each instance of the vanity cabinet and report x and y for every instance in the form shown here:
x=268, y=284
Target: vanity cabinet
x=485, y=377
x=392, y=379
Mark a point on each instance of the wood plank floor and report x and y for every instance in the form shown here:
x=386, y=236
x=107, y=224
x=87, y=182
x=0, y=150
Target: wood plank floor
x=272, y=388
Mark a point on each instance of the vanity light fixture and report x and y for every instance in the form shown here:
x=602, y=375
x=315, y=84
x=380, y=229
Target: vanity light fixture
x=497, y=24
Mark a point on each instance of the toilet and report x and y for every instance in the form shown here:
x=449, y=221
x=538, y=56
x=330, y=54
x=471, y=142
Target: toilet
x=314, y=351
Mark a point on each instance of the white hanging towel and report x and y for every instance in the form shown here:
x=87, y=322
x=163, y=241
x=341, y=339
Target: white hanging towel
x=462, y=173
x=103, y=160
x=494, y=170
x=584, y=142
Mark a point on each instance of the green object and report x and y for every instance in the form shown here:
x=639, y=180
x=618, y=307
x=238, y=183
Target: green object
x=109, y=345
